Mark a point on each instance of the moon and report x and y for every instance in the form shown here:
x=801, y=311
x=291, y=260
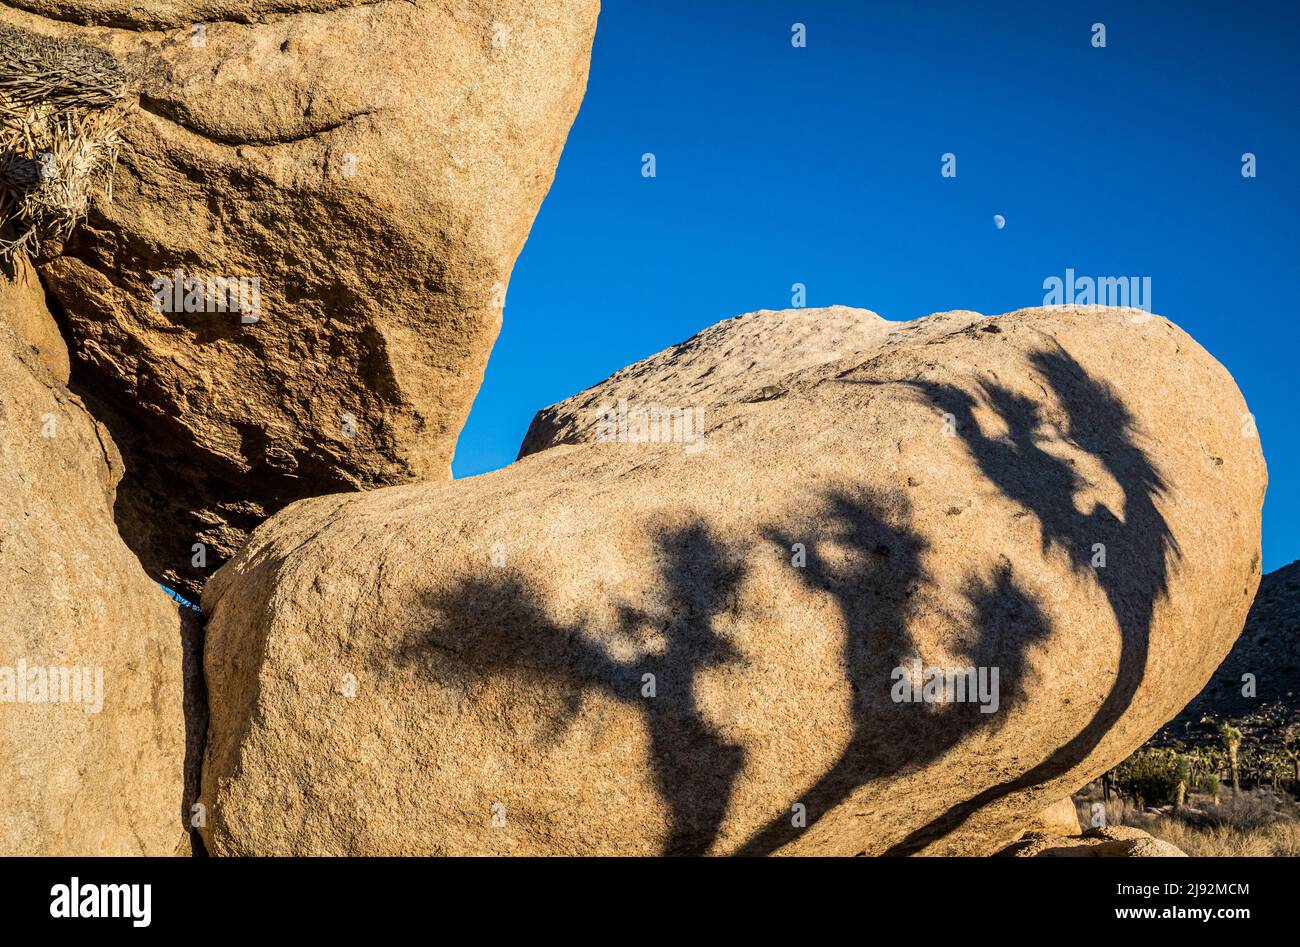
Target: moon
x=999, y=221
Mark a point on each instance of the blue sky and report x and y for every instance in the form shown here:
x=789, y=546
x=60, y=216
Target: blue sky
x=820, y=165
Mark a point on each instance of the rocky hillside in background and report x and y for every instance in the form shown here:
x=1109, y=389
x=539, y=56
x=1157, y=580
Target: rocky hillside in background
x=1268, y=651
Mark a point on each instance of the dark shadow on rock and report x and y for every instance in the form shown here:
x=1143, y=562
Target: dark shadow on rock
x=154, y=513
x=495, y=624
x=174, y=493
x=874, y=593
x=871, y=566
x=196, y=719
x=1139, y=544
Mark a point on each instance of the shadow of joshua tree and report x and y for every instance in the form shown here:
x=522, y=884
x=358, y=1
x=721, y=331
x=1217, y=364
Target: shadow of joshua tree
x=1139, y=545
x=495, y=624
x=874, y=592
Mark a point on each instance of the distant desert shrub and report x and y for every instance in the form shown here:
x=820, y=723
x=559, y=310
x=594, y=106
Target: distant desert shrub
x=1149, y=777
x=1249, y=810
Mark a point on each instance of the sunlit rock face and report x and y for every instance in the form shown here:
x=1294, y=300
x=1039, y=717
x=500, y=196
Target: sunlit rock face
x=92, y=737
x=895, y=589
x=303, y=265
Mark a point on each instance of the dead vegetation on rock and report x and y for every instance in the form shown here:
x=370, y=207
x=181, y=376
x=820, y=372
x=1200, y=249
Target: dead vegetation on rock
x=62, y=108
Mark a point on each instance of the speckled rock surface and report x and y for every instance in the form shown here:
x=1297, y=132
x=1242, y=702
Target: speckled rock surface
x=376, y=167
x=92, y=738
x=1116, y=841
x=23, y=309
x=707, y=644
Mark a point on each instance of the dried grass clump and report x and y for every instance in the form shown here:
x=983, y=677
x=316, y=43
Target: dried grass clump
x=62, y=108
x=1278, y=840
x=1257, y=822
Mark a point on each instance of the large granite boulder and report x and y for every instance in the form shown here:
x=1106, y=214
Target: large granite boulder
x=350, y=184
x=894, y=589
x=92, y=739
